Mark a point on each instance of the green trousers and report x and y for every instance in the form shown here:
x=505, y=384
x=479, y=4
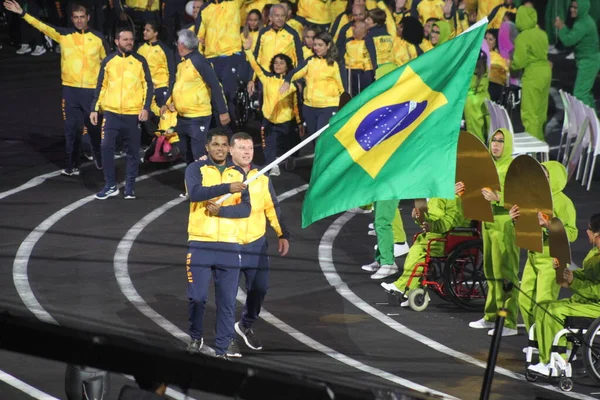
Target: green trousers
x=534, y=102
x=398, y=228
x=416, y=255
x=587, y=69
x=538, y=285
x=501, y=262
x=548, y=324
x=477, y=118
x=385, y=212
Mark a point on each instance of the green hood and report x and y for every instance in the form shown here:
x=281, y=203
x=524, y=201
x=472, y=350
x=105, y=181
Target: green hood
x=526, y=18
x=384, y=69
x=583, y=8
x=506, y=157
x=445, y=31
x=558, y=176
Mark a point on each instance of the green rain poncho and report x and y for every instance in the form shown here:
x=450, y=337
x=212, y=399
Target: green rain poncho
x=445, y=31
x=584, y=37
x=500, y=252
x=531, y=56
x=585, y=302
x=538, y=283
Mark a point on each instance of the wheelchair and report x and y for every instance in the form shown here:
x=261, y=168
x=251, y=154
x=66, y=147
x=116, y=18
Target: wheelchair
x=247, y=107
x=583, y=333
x=457, y=276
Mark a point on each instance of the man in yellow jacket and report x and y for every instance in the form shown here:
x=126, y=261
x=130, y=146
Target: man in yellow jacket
x=82, y=51
x=255, y=260
x=124, y=94
x=213, y=242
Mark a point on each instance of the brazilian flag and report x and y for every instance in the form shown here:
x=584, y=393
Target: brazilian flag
x=398, y=138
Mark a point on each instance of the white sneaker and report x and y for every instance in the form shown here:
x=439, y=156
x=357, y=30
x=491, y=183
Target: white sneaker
x=534, y=350
x=385, y=271
x=24, y=49
x=372, y=233
x=505, y=332
x=481, y=324
x=399, y=249
x=39, y=50
x=374, y=266
x=275, y=171
x=570, y=56
x=552, y=49
x=390, y=288
x=540, y=368
x=405, y=304
x=371, y=226
x=358, y=210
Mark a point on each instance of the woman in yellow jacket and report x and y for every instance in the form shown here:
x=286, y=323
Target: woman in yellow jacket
x=280, y=110
x=323, y=83
x=498, y=68
x=250, y=30
x=379, y=43
x=410, y=41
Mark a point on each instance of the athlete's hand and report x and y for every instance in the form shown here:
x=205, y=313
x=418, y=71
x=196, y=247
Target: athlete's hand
x=213, y=208
x=426, y=226
x=248, y=43
x=284, y=246
x=250, y=88
x=567, y=277
x=284, y=88
x=301, y=130
x=237, y=187
x=224, y=118
x=94, y=118
x=416, y=213
x=490, y=195
x=143, y=116
x=514, y=212
x=13, y=6
x=459, y=188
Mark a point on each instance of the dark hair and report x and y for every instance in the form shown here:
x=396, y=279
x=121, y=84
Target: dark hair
x=494, y=33
x=512, y=17
x=288, y=62
x=480, y=68
x=218, y=131
x=121, y=30
x=245, y=29
x=239, y=136
x=266, y=12
x=595, y=223
x=348, y=10
x=313, y=28
x=154, y=25
x=432, y=19
x=412, y=30
x=332, y=53
x=377, y=15
x=79, y=7
x=291, y=6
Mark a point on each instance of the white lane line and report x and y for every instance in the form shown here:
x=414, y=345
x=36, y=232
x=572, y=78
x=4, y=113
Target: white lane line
x=24, y=387
x=126, y=285
x=328, y=268
x=38, y=180
x=170, y=392
x=20, y=277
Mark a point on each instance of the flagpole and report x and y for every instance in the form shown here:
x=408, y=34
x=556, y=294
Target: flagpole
x=281, y=158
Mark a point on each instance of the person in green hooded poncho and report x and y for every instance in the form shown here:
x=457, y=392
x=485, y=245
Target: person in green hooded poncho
x=531, y=56
x=538, y=283
x=477, y=117
x=440, y=33
x=500, y=252
x=585, y=302
x=584, y=37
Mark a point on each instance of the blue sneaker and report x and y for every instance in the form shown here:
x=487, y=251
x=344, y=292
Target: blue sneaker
x=108, y=191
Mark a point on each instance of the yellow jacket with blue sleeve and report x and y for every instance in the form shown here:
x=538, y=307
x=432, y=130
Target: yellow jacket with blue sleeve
x=271, y=42
x=196, y=84
x=323, y=82
x=124, y=85
x=496, y=16
x=356, y=56
x=338, y=23
x=218, y=27
x=277, y=108
x=161, y=62
x=380, y=46
x=315, y=11
x=264, y=207
x=81, y=55
x=204, y=181
x=427, y=9
x=140, y=5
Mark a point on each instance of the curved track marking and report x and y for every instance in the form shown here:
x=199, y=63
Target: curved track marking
x=24, y=387
x=334, y=279
x=20, y=277
x=126, y=285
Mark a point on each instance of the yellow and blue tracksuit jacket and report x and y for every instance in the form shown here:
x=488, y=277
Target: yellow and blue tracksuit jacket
x=297, y=24
x=271, y=42
x=124, y=85
x=161, y=62
x=338, y=23
x=196, y=84
x=380, y=46
x=337, y=7
x=264, y=207
x=427, y=9
x=307, y=52
x=323, y=82
x=253, y=4
x=140, y=5
x=497, y=15
x=315, y=11
x=344, y=34
x=218, y=26
x=204, y=182
x=166, y=123
x=399, y=16
x=277, y=108
x=253, y=35
x=355, y=55
x=81, y=55
x=485, y=7
x=499, y=68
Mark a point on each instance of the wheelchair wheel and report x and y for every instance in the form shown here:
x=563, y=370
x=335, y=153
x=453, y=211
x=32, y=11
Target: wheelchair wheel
x=591, y=351
x=418, y=299
x=530, y=376
x=243, y=106
x=464, y=280
x=565, y=384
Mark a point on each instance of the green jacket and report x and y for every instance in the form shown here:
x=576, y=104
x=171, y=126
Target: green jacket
x=502, y=165
x=586, y=280
x=583, y=35
x=444, y=215
x=531, y=45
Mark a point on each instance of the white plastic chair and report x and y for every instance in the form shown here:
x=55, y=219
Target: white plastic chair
x=594, y=148
x=583, y=123
x=574, y=160
x=523, y=142
x=494, y=122
x=573, y=130
x=566, y=120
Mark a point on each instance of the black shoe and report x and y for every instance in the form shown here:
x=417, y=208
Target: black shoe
x=249, y=336
x=222, y=356
x=195, y=345
x=233, y=350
